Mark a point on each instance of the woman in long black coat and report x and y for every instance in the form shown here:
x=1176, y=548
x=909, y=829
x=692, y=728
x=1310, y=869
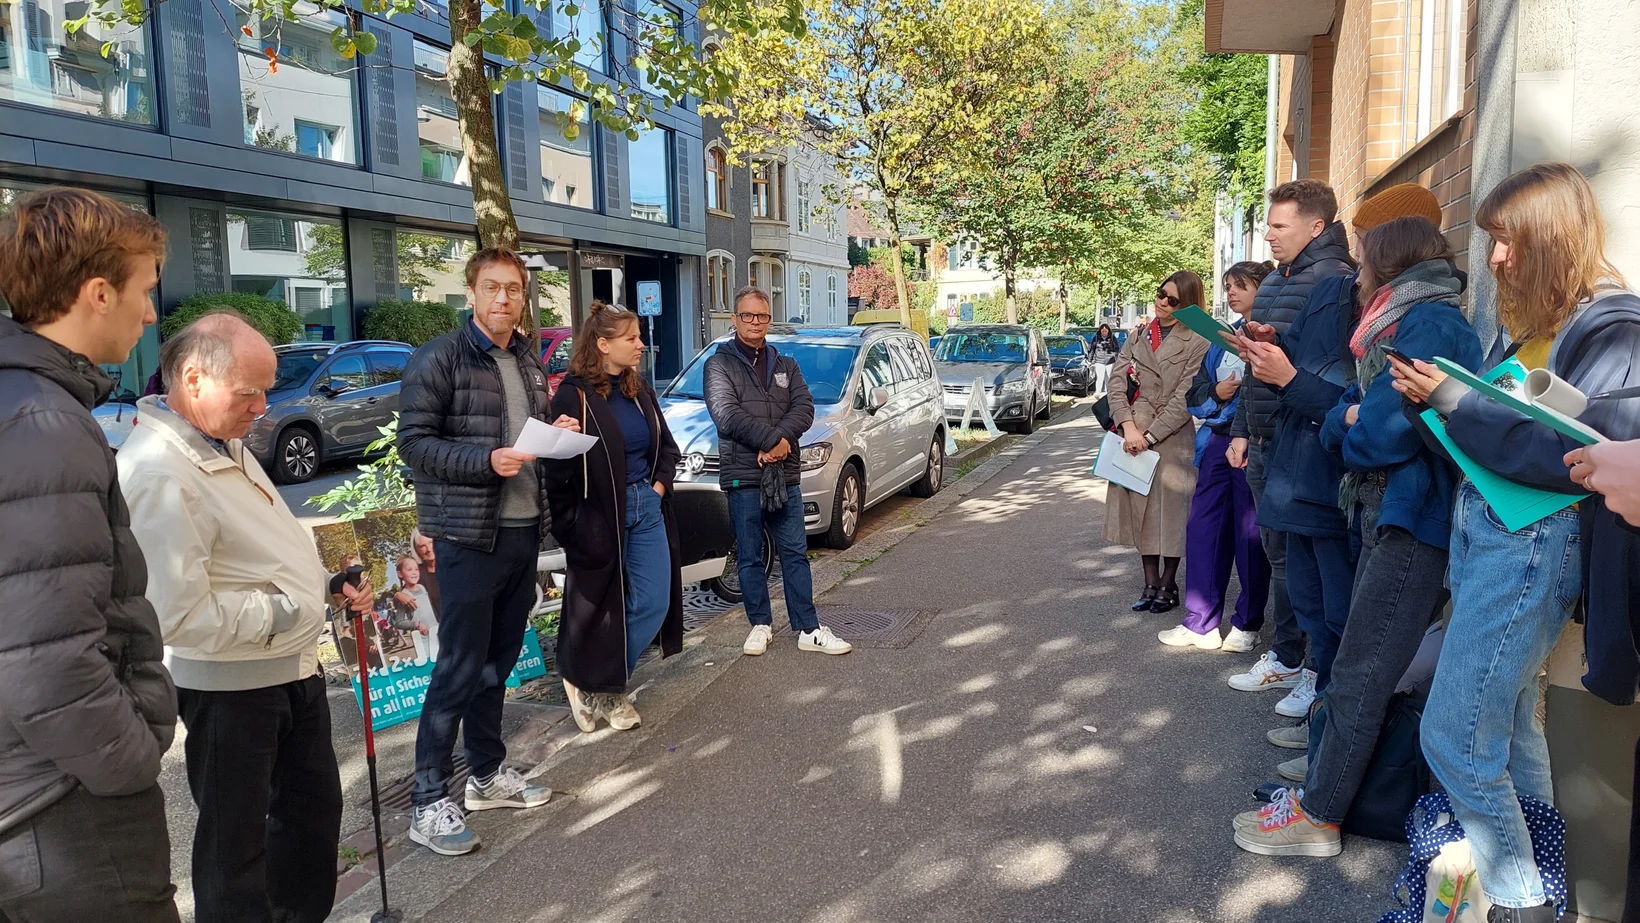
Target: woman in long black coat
x=612, y=514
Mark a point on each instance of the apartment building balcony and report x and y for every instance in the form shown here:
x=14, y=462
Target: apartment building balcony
x=1266, y=26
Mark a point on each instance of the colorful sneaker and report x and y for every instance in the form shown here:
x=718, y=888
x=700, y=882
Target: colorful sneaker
x=1267, y=673
x=1287, y=831
x=582, y=707
x=1251, y=818
x=1294, y=769
x=822, y=640
x=618, y=709
x=1239, y=642
x=758, y=641
x=1180, y=636
x=506, y=789
x=1296, y=737
x=442, y=828
x=1297, y=702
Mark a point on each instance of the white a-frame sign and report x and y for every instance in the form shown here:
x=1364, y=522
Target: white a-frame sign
x=977, y=405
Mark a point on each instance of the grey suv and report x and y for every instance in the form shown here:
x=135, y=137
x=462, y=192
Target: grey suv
x=327, y=401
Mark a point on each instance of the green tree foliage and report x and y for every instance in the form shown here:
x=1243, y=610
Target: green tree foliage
x=413, y=322
x=379, y=484
x=273, y=319
x=1227, y=120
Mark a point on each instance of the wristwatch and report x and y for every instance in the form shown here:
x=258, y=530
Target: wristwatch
x=1149, y=439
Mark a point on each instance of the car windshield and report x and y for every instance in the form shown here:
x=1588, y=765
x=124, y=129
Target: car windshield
x=825, y=367
x=1065, y=346
x=295, y=368
x=982, y=347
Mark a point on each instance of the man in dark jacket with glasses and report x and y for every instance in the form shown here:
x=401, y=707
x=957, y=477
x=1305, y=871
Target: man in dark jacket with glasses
x=762, y=408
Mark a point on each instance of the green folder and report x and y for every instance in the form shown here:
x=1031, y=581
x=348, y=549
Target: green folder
x=1556, y=421
x=1203, y=324
x=1516, y=505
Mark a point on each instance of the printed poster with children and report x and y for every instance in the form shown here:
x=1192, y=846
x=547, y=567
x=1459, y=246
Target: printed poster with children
x=385, y=552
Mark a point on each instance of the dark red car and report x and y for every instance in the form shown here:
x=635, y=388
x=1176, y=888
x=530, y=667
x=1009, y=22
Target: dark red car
x=556, y=343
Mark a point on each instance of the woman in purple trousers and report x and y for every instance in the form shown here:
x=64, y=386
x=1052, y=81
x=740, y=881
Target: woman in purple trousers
x=1223, y=526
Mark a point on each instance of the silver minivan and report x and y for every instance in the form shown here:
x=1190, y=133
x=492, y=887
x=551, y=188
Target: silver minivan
x=879, y=422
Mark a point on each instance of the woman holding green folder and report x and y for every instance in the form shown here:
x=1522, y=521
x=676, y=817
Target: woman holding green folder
x=1564, y=309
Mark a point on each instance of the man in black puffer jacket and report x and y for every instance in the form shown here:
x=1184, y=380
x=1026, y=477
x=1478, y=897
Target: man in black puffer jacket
x=762, y=408
x=86, y=706
x=465, y=398
x=1309, y=245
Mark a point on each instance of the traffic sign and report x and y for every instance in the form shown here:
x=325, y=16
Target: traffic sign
x=649, y=299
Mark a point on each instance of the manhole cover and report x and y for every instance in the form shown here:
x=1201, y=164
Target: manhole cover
x=396, y=795
x=891, y=628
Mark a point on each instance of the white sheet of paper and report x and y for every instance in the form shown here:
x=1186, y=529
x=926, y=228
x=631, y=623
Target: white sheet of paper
x=1118, y=467
x=544, y=441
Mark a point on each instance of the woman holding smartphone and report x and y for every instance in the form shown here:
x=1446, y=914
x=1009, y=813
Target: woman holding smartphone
x=612, y=514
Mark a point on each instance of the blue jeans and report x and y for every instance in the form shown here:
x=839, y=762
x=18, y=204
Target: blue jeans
x=648, y=569
x=791, y=542
x=1512, y=593
x=1320, y=582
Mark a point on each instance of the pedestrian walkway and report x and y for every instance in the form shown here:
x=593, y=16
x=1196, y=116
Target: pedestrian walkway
x=1032, y=755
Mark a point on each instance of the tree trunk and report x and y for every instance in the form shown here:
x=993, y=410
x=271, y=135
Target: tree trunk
x=901, y=290
x=1008, y=293
x=492, y=203
x=1064, y=306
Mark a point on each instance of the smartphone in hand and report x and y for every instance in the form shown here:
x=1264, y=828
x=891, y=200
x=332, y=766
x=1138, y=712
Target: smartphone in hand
x=1394, y=353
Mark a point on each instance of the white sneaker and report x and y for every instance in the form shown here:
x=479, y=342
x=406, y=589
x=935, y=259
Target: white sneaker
x=1297, y=702
x=758, y=641
x=442, y=828
x=1267, y=673
x=506, y=789
x=1239, y=642
x=618, y=709
x=821, y=639
x=1180, y=636
x=583, y=707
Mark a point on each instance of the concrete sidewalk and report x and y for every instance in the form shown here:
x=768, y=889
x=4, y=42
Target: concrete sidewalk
x=1033, y=755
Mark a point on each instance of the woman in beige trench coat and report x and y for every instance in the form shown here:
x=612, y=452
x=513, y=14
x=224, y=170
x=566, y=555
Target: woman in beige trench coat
x=1163, y=357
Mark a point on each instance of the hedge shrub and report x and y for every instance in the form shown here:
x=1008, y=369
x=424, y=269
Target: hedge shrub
x=413, y=322
x=273, y=319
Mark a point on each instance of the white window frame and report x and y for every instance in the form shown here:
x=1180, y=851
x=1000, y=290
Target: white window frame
x=724, y=201
x=805, y=294
x=720, y=300
x=831, y=295
x=803, y=205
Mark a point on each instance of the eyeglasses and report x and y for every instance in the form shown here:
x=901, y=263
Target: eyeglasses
x=1162, y=295
x=756, y=318
x=489, y=289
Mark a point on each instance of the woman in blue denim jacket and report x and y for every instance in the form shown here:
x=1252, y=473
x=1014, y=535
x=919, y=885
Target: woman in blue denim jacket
x=1401, y=493
x=1564, y=310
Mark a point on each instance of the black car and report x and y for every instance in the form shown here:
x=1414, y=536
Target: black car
x=328, y=401
x=1072, y=369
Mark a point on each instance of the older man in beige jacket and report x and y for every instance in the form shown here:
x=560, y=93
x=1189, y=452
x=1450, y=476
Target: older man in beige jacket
x=241, y=599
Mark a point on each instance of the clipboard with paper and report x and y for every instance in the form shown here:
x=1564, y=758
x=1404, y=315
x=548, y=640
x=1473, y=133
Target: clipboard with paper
x=1516, y=505
x=1135, y=472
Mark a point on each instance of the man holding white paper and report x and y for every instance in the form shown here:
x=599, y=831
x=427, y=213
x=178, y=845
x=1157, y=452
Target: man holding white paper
x=466, y=399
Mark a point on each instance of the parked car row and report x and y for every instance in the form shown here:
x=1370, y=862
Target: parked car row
x=1009, y=361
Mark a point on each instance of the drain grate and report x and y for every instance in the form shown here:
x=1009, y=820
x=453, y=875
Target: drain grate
x=396, y=795
x=888, y=628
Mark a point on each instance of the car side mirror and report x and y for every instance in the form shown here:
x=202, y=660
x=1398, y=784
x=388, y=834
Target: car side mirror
x=879, y=400
x=335, y=386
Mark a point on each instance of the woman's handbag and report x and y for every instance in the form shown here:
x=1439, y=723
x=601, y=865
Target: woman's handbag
x=1101, y=407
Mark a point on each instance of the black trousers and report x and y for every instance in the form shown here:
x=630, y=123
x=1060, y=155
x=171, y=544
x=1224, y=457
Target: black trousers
x=486, y=599
x=263, y=774
x=87, y=858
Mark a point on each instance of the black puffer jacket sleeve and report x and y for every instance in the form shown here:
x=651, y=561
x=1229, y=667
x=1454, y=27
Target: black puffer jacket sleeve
x=425, y=398
x=61, y=651
x=734, y=422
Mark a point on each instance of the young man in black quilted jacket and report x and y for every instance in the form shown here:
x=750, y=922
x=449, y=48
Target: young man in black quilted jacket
x=465, y=398
x=762, y=407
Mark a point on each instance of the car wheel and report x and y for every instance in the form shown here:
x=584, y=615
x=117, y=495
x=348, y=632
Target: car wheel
x=934, y=474
x=1045, y=412
x=1027, y=425
x=846, y=503
x=727, y=587
x=295, y=455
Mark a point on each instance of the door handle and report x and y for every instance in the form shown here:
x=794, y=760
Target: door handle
x=372, y=400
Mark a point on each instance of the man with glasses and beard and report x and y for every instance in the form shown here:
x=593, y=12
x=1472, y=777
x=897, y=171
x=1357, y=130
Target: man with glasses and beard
x=465, y=398
x=762, y=408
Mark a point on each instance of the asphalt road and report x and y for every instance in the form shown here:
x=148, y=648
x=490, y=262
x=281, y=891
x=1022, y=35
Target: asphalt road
x=1034, y=755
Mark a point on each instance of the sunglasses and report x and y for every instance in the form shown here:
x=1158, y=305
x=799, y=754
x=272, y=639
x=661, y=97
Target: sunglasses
x=1162, y=295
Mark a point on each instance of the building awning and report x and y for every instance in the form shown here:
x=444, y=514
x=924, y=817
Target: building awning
x=1266, y=26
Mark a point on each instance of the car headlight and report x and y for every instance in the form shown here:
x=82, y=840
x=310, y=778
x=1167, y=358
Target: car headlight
x=1014, y=386
x=815, y=456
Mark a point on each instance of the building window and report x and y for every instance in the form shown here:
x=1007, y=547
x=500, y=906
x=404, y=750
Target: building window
x=831, y=295
x=44, y=64
x=1432, y=71
x=720, y=282
x=566, y=163
x=296, y=259
x=767, y=177
x=766, y=273
x=437, y=129
x=308, y=105
x=717, y=180
x=653, y=24
x=588, y=27
x=430, y=266
x=803, y=206
x=805, y=294
x=649, y=159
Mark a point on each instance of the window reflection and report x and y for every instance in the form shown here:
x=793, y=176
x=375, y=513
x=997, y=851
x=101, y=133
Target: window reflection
x=296, y=259
x=431, y=267
x=566, y=165
x=651, y=176
x=42, y=64
x=437, y=124
x=307, y=104
x=587, y=26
